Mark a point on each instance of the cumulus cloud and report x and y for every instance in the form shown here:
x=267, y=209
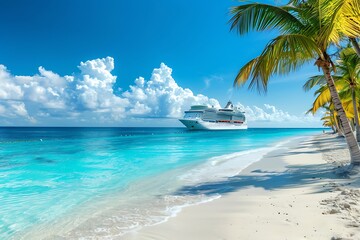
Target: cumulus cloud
x=269, y=113
x=161, y=96
x=88, y=97
x=48, y=94
x=93, y=91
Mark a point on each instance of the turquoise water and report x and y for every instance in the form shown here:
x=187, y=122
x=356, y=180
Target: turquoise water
x=56, y=175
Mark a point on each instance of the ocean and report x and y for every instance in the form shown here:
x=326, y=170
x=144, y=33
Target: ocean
x=68, y=183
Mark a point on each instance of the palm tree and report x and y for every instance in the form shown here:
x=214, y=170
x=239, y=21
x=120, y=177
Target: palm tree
x=329, y=117
x=329, y=121
x=347, y=82
x=303, y=37
x=323, y=101
x=349, y=70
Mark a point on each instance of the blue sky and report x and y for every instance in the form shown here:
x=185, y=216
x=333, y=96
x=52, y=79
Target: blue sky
x=117, y=42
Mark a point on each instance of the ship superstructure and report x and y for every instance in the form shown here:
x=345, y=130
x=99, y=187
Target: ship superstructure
x=202, y=117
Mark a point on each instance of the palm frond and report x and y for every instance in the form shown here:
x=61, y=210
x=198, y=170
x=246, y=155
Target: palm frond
x=323, y=97
x=317, y=80
x=339, y=18
x=259, y=17
x=348, y=107
x=244, y=73
x=345, y=94
x=309, y=111
x=325, y=118
x=282, y=55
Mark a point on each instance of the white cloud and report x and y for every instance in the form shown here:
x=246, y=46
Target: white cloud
x=94, y=89
x=88, y=97
x=161, y=96
x=49, y=95
x=14, y=109
x=90, y=94
x=269, y=113
x=9, y=90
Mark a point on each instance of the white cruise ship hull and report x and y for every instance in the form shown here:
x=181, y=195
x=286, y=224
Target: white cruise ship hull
x=198, y=124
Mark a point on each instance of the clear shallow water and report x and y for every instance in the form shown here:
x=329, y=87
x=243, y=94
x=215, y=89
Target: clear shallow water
x=73, y=182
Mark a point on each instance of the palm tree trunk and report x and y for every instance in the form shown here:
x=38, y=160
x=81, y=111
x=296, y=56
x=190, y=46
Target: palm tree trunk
x=341, y=131
x=335, y=127
x=356, y=116
x=355, y=45
x=349, y=135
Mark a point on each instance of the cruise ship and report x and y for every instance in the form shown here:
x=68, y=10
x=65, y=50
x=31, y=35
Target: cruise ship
x=202, y=117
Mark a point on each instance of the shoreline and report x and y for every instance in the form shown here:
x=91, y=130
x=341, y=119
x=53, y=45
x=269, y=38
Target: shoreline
x=291, y=193
x=185, y=195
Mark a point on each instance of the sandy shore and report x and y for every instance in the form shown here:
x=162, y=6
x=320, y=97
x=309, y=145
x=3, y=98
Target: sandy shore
x=292, y=193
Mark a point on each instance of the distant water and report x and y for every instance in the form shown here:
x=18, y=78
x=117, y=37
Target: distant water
x=73, y=182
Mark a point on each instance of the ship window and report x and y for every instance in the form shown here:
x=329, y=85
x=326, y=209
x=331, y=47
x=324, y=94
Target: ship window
x=192, y=115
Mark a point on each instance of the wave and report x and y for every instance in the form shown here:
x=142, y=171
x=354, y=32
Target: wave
x=229, y=165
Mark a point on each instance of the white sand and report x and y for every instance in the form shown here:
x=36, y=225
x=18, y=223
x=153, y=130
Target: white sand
x=292, y=193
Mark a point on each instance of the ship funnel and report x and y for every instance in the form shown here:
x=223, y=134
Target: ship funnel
x=229, y=105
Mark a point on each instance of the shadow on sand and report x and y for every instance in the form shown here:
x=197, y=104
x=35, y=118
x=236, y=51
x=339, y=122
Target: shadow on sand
x=292, y=176
x=296, y=177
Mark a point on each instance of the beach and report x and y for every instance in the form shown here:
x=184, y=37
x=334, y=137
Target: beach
x=293, y=192
x=256, y=184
